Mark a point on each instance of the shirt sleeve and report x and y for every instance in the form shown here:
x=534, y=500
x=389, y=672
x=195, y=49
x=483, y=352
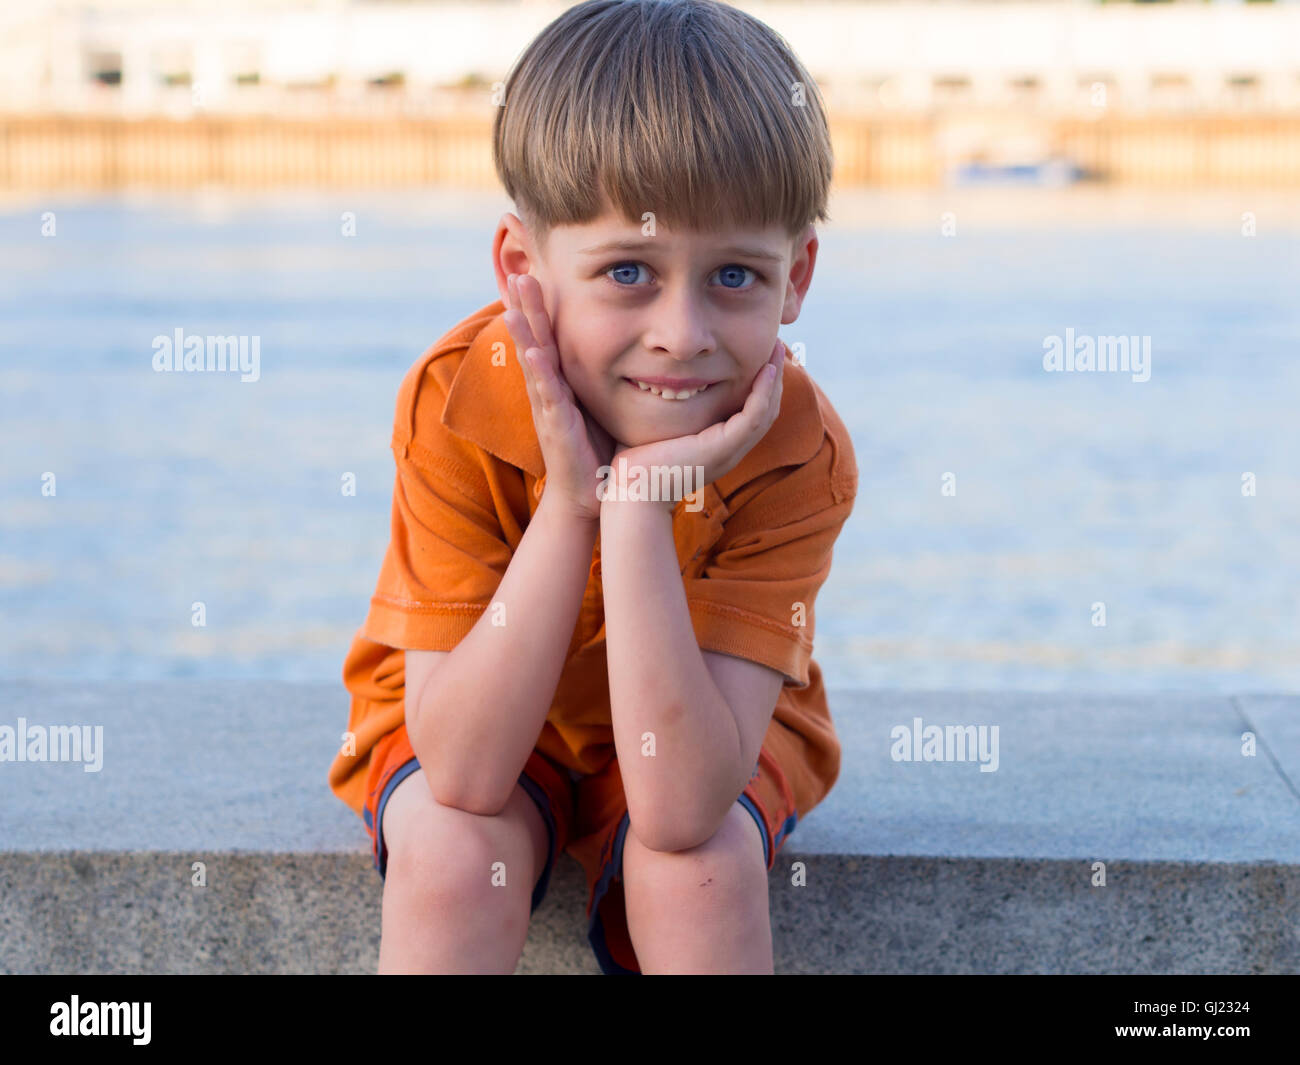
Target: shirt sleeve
x=754, y=597
x=446, y=553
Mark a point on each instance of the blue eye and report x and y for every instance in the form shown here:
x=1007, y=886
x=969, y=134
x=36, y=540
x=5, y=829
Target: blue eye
x=626, y=274
x=735, y=268
x=634, y=267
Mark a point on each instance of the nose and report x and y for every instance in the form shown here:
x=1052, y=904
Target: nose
x=679, y=326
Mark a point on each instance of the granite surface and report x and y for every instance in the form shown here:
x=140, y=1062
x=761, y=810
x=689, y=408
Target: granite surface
x=908, y=866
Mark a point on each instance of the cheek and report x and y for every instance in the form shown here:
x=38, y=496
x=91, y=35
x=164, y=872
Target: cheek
x=584, y=371
x=587, y=339
x=593, y=362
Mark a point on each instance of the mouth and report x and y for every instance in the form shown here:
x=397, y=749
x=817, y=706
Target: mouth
x=674, y=395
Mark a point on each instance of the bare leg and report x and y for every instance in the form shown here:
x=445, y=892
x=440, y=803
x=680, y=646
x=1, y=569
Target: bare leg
x=702, y=910
x=442, y=912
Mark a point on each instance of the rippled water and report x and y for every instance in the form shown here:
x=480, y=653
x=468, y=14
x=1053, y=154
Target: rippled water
x=1071, y=488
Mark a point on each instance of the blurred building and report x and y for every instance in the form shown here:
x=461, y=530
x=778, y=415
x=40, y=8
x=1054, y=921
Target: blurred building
x=287, y=57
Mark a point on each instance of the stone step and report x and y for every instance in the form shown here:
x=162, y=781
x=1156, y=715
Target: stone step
x=910, y=866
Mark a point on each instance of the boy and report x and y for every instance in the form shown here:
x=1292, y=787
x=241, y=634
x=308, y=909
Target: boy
x=556, y=660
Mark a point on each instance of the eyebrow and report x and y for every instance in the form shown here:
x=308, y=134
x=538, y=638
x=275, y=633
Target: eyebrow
x=641, y=245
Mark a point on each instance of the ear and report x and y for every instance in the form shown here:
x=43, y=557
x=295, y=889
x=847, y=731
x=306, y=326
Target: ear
x=511, y=251
x=801, y=272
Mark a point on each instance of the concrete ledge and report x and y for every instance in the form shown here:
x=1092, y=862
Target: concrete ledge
x=912, y=867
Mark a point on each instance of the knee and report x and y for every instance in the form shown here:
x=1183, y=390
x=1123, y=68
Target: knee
x=728, y=866
x=452, y=860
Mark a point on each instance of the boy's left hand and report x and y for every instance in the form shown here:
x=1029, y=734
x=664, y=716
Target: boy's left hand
x=720, y=447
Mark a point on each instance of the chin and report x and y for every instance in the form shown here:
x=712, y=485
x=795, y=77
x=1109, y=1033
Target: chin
x=654, y=434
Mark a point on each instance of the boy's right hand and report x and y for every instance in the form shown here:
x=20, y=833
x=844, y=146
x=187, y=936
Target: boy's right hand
x=574, y=446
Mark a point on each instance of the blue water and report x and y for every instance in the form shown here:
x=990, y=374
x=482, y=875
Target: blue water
x=1071, y=489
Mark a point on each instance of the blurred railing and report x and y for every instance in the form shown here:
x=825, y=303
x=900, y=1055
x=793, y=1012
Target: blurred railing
x=96, y=152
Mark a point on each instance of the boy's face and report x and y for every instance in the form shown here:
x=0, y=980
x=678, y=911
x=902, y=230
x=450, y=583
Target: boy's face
x=680, y=305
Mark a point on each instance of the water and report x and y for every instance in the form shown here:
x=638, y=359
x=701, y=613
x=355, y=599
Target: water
x=1071, y=489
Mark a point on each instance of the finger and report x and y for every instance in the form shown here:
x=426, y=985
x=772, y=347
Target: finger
x=775, y=372
x=521, y=334
x=530, y=293
x=515, y=318
x=761, y=406
x=550, y=388
x=539, y=323
x=530, y=377
x=521, y=330
x=512, y=294
x=539, y=361
x=779, y=377
x=777, y=358
x=540, y=368
x=554, y=396
x=766, y=390
x=532, y=325
x=535, y=367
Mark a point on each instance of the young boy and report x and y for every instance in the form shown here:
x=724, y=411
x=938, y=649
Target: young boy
x=558, y=657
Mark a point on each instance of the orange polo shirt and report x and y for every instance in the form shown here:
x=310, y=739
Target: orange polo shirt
x=470, y=474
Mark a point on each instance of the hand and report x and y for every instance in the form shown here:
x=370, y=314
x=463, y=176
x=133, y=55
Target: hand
x=720, y=447
x=574, y=446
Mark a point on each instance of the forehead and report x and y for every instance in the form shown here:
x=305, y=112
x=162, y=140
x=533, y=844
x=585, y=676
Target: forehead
x=613, y=233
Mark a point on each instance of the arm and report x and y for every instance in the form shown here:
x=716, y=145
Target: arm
x=474, y=713
x=707, y=732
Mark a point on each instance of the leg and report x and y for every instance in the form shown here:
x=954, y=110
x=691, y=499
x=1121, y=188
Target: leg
x=702, y=910
x=442, y=912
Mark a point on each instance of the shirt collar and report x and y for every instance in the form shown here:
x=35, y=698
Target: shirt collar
x=487, y=404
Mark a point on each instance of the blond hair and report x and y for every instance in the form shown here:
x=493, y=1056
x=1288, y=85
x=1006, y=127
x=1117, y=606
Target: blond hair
x=690, y=109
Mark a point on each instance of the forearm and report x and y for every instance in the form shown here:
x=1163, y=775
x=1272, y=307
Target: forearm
x=659, y=684
x=479, y=717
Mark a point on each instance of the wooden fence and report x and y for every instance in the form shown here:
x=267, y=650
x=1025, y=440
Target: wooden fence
x=71, y=152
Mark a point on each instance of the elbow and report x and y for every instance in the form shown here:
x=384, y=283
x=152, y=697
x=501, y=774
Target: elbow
x=666, y=823
x=473, y=796
x=667, y=833
x=476, y=795
x=466, y=801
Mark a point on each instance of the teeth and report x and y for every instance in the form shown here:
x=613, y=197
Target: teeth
x=668, y=393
